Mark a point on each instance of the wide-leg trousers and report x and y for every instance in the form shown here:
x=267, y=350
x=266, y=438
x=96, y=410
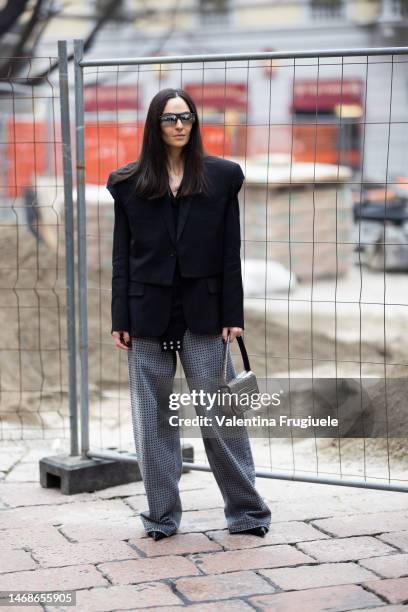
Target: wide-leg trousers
x=151, y=375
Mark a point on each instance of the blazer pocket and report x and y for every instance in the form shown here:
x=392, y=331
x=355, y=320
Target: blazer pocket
x=214, y=284
x=136, y=288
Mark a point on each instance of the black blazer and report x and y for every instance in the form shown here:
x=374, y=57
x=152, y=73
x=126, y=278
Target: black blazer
x=207, y=244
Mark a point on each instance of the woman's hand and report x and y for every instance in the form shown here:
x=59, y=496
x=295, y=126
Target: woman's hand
x=233, y=333
x=122, y=339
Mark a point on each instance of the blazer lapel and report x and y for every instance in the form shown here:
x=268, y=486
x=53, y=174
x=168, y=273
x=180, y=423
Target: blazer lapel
x=185, y=205
x=165, y=208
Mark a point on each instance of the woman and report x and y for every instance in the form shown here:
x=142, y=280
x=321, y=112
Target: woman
x=177, y=286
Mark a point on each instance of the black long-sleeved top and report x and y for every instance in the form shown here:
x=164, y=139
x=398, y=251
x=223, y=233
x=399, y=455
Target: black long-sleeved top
x=172, y=338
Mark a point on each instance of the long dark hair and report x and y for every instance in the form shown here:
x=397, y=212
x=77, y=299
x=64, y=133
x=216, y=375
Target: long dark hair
x=150, y=170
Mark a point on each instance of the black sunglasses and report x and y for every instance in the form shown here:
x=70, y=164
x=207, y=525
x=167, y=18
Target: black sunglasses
x=171, y=118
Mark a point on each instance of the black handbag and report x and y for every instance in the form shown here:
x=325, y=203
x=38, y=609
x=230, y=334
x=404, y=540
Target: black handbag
x=236, y=393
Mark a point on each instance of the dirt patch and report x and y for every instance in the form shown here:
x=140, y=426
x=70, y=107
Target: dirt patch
x=34, y=356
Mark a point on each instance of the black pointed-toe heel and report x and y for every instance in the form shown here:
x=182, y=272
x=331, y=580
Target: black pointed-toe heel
x=258, y=531
x=157, y=535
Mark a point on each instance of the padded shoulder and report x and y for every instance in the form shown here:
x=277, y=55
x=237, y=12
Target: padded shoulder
x=234, y=173
x=220, y=162
x=121, y=174
x=238, y=178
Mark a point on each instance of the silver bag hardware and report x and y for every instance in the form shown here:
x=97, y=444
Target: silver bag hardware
x=243, y=386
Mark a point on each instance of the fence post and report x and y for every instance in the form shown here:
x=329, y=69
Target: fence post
x=82, y=268
x=69, y=241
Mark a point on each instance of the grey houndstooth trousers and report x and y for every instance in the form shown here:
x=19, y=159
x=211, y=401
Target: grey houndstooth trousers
x=151, y=375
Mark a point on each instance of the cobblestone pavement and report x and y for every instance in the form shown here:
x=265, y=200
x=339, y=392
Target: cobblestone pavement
x=329, y=547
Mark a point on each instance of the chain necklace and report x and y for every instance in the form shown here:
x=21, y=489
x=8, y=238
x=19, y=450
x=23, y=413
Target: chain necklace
x=175, y=181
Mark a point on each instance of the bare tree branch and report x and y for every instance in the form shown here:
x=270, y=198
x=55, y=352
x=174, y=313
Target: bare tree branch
x=10, y=14
x=35, y=27
x=10, y=69
x=105, y=17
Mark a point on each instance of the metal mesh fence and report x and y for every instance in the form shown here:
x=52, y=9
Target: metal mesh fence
x=320, y=137
x=33, y=347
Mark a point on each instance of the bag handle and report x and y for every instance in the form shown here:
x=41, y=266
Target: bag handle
x=244, y=355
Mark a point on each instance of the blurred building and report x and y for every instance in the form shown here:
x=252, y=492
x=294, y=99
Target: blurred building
x=234, y=25
x=353, y=101
x=350, y=111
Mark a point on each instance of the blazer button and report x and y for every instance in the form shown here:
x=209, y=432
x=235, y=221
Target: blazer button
x=172, y=253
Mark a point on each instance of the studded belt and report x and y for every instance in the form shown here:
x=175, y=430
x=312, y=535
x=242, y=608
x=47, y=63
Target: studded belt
x=172, y=345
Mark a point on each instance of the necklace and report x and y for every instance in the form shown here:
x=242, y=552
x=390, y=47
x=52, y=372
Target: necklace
x=175, y=181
